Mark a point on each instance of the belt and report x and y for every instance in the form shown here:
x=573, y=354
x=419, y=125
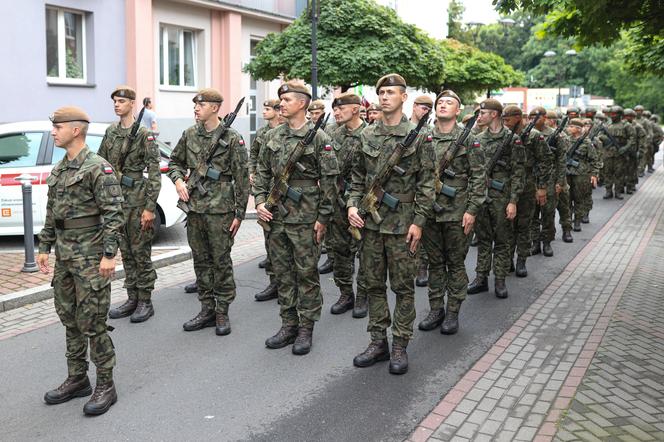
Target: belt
x=78, y=223
x=404, y=197
x=303, y=183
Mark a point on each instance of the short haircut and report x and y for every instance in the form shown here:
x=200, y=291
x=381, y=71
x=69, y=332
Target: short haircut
x=82, y=125
x=146, y=101
x=303, y=97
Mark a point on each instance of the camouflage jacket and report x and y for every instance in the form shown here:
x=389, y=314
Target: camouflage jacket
x=318, y=180
x=231, y=192
x=346, y=144
x=83, y=187
x=624, y=134
x=657, y=134
x=647, y=127
x=559, y=171
x=256, y=148
x=415, y=189
x=642, y=138
x=539, y=158
x=510, y=167
x=588, y=158
x=466, y=175
x=142, y=154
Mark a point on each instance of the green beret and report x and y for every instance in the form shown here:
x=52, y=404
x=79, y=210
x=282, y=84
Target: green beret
x=537, y=110
x=210, y=95
x=448, y=93
x=316, y=105
x=424, y=100
x=512, y=111
x=294, y=86
x=347, y=98
x=491, y=104
x=390, y=80
x=68, y=114
x=274, y=103
x=124, y=92
x=375, y=107
x=578, y=122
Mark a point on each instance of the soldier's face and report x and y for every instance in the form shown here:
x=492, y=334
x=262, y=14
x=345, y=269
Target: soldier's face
x=486, y=116
x=269, y=113
x=629, y=118
x=551, y=122
x=447, y=109
x=205, y=110
x=316, y=114
x=291, y=104
x=374, y=115
x=392, y=98
x=512, y=121
x=639, y=113
x=572, y=115
x=574, y=131
x=64, y=133
x=420, y=110
x=122, y=106
x=363, y=113
x=346, y=112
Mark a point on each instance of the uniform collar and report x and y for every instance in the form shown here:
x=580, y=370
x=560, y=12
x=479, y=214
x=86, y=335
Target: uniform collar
x=400, y=129
x=77, y=162
x=355, y=132
x=437, y=134
x=301, y=132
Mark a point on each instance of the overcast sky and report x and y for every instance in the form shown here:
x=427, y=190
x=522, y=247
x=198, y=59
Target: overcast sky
x=479, y=11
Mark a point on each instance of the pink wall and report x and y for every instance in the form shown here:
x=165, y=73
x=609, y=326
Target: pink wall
x=140, y=48
x=226, y=56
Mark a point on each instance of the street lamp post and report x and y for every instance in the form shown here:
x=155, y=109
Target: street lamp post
x=560, y=74
x=314, y=50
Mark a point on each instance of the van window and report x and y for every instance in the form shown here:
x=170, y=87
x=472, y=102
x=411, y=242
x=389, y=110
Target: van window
x=20, y=149
x=93, y=142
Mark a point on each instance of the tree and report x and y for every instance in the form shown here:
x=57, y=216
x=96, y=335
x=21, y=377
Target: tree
x=358, y=42
x=455, y=11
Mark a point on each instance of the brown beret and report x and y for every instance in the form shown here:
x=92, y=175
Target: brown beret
x=124, y=92
x=465, y=118
x=347, y=98
x=208, y=94
x=273, y=103
x=375, y=107
x=578, y=122
x=552, y=115
x=317, y=105
x=448, y=93
x=425, y=100
x=512, y=111
x=390, y=80
x=491, y=104
x=67, y=114
x=537, y=110
x=294, y=86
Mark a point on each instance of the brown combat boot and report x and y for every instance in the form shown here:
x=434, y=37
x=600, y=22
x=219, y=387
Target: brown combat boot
x=346, y=302
x=302, y=344
x=422, y=279
x=375, y=352
x=102, y=399
x=223, y=327
x=73, y=386
x=205, y=318
x=144, y=311
x=433, y=319
x=361, y=308
x=398, y=358
x=285, y=336
x=124, y=310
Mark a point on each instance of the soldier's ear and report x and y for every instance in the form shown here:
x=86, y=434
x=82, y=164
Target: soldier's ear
x=404, y=96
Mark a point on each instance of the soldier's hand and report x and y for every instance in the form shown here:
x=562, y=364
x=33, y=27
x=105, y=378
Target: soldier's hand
x=251, y=179
x=593, y=181
x=107, y=267
x=354, y=219
x=263, y=213
x=235, y=226
x=558, y=189
x=181, y=189
x=510, y=212
x=147, y=220
x=319, y=229
x=42, y=262
x=413, y=237
x=468, y=223
x=540, y=196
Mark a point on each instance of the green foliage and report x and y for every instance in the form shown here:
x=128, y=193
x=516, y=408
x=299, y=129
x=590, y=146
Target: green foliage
x=454, y=15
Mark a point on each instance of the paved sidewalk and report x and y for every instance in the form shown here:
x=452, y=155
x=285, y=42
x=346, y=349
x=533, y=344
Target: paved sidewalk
x=549, y=372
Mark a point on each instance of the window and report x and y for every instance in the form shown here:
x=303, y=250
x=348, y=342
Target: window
x=20, y=150
x=65, y=46
x=177, y=57
x=253, y=93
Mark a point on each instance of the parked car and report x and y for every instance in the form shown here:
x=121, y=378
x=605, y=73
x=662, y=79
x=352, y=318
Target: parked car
x=28, y=148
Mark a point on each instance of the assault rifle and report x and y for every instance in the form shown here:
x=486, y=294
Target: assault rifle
x=552, y=140
x=376, y=195
x=529, y=128
x=612, y=141
x=322, y=127
x=203, y=170
x=280, y=189
x=125, y=180
x=444, y=164
x=571, y=162
x=495, y=160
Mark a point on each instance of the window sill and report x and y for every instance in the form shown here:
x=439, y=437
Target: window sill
x=68, y=84
x=187, y=89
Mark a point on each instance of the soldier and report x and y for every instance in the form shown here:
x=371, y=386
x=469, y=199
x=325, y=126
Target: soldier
x=316, y=110
x=657, y=137
x=643, y=139
x=543, y=226
x=563, y=205
x=495, y=229
x=215, y=217
x=391, y=246
x=130, y=154
x=538, y=168
x=445, y=234
x=295, y=238
x=84, y=221
x=346, y=139
x=645, y=149
x=374, y=113
x=363, y=113
x=615, y=156
x=583, y=165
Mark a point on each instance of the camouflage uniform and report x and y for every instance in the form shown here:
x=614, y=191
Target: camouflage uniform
x=579, y=177
x=657, y=137
x=645, y=150
x=293, y=250
x=211, y=215
x=443, y=236
x=139, y=194
x=643, y=139
x=83, y=191
x=615, y=157
x=384, y=248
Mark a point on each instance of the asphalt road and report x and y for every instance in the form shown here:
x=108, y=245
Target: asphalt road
x=174, y=385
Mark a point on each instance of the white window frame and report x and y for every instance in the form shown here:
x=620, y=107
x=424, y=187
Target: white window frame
x=164, y=28
x=62, y=48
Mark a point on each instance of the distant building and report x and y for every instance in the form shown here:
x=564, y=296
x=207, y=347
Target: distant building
x=549, y=98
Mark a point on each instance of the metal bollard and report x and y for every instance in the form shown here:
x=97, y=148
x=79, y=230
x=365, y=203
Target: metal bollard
x=29, y=266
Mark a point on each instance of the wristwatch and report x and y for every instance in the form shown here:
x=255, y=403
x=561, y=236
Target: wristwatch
x=109, y=255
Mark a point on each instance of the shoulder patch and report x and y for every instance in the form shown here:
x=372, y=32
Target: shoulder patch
x=541, y=137
x=150, y=137
x=241, y=142
x=328, y=147
x=518, y=142
x=475, y=144
x=429, y=138
x=108, y=169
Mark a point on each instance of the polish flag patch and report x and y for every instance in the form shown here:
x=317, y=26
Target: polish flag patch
x=518, y=142
x=150, y=138
x=241, y=142
x=429, y=138
x=541, y=137
x=476, y=144
x=328, y=147
x=108, y=169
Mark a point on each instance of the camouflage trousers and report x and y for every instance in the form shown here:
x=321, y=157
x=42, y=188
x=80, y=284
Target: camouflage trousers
x=614, y=173
x=342, y=249
x=136, y=248
x=495, y=235
x=543, y=226
x=644, y=156
x=383, y=255
x=564, y=210
x=268, y=262
x=631, y=172
x=82, y=298
x=211, y=243
x=579, y=188
x=446, y=246
x=294, y=255
x=525, y=208
x=650, y=156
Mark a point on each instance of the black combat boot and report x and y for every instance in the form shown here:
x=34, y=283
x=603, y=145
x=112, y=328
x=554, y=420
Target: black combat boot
x=101, y=400
x=567, y=236
x=651, y=170
x=433, y=319
x=73, y=386
x=451, y=323
x=375, y=352
x=262, y=264
x=398, y=359
x=536, y=249
x=223, y=324
x=577, y=225
x=360, y=310
x=618, y=196
x=629, y=191
x=512, y=268
x=270, y=292
x=480, y=284
x=285, y=336
x=327, y=266
x=302, y=344
x=521, y=270
x=346, y=302
x=641, y=174
x=474, y=241
x=547, y=250
x=144, y=311
x=501, y=288
x=191, y=288
x=205, y=318
x=608, y=195
x=422, y=279
x=585, y=219
x=124, y=310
